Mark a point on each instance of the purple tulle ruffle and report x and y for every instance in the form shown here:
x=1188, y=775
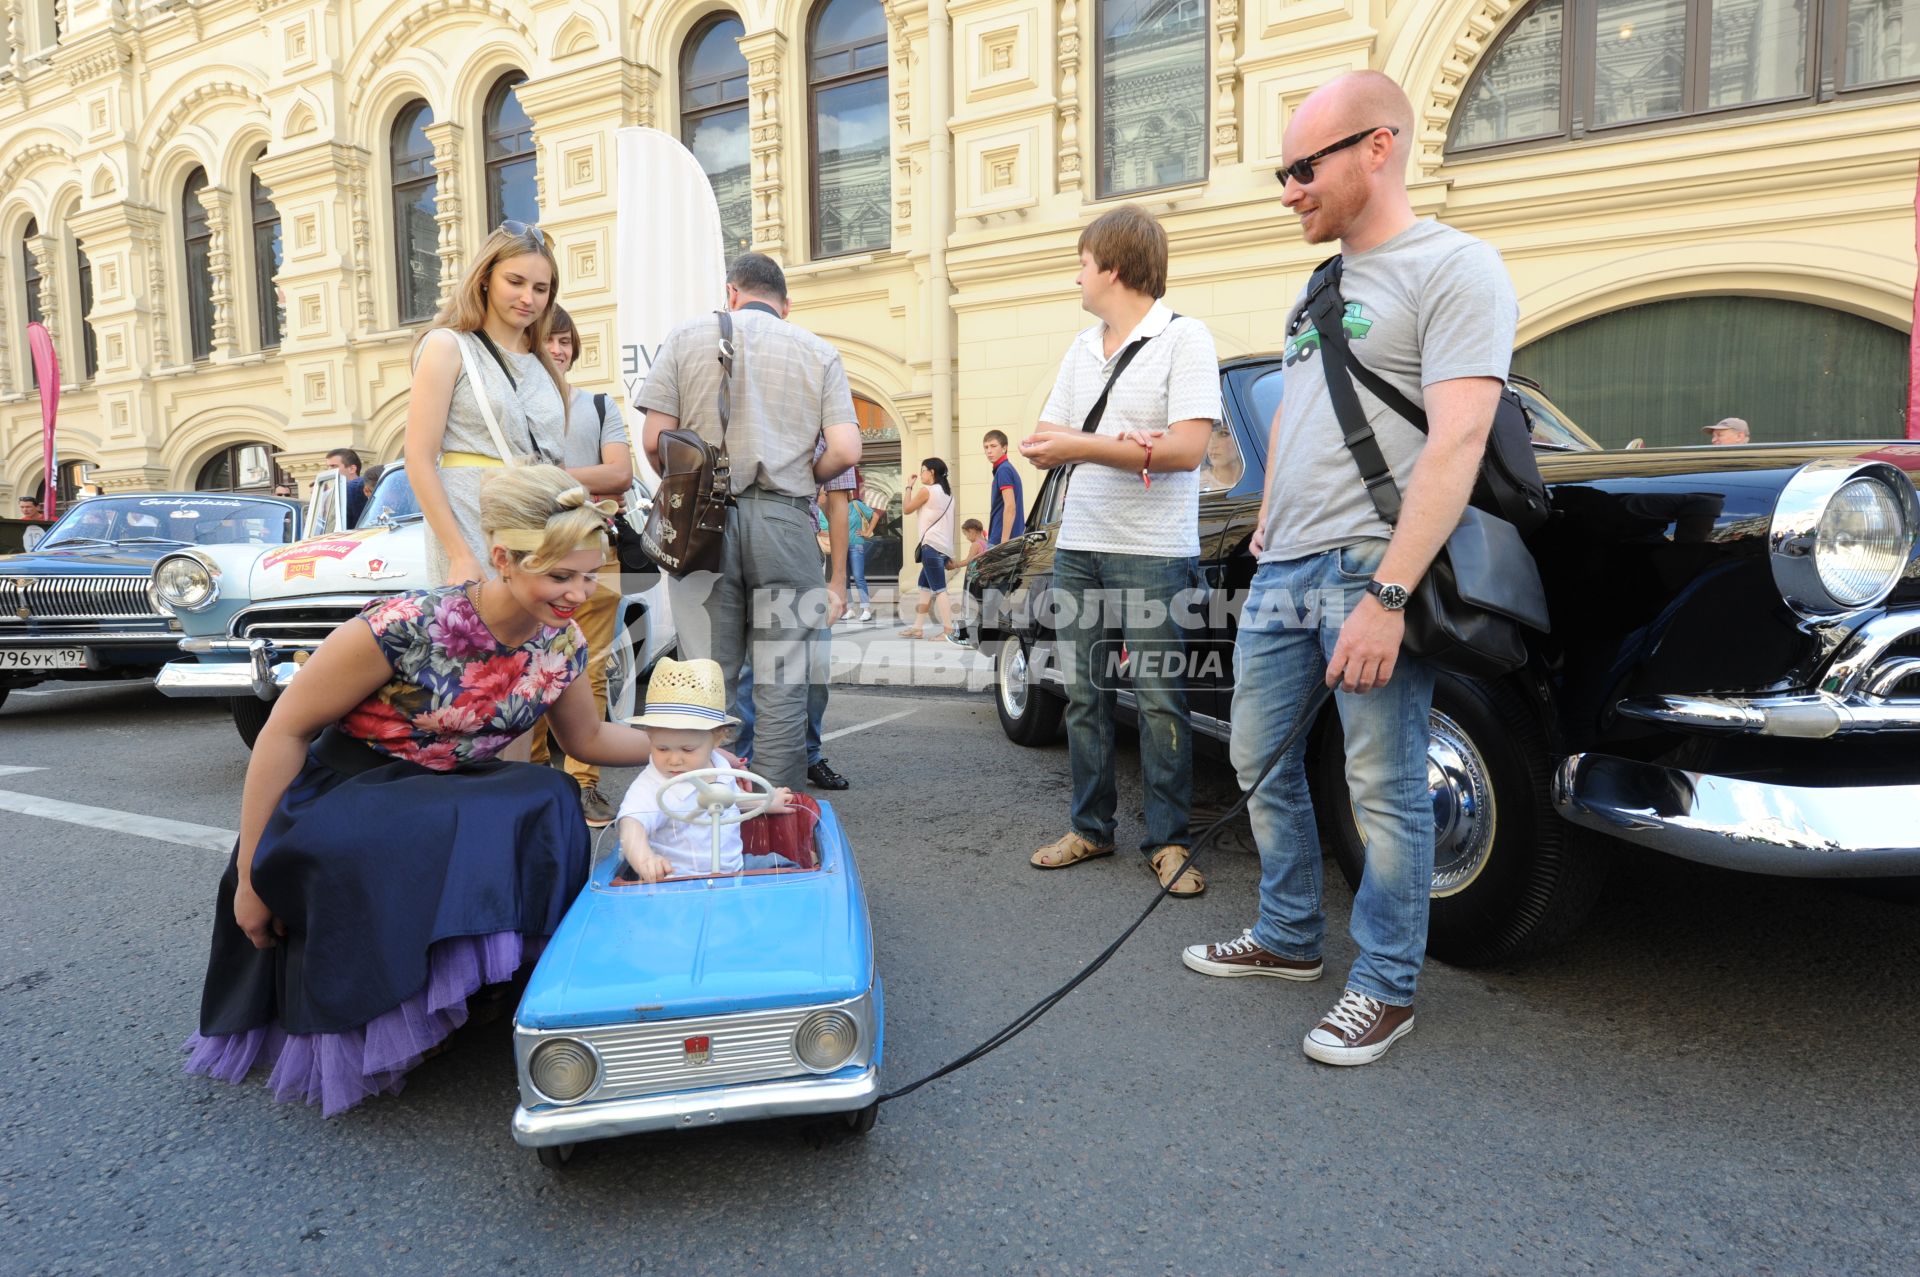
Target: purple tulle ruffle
x=338, y=1070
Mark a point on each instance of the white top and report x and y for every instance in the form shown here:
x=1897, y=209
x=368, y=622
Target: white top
x=936, y=520
x=688, y=848
x=1174, y=377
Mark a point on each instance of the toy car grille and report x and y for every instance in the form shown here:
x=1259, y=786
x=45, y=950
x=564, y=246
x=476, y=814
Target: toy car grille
x=646, y=1058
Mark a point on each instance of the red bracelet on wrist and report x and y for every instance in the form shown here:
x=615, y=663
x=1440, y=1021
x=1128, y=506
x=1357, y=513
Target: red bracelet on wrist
x=1146, y=466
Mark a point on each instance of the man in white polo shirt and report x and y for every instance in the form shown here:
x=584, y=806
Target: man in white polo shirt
x=1129, y=539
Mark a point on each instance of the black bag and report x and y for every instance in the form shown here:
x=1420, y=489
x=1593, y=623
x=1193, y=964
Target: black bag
x=628, y=548
x=1468, y=612
x=686, y=528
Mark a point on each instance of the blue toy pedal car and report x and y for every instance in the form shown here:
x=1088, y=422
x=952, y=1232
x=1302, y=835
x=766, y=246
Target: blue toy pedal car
x=706, y=999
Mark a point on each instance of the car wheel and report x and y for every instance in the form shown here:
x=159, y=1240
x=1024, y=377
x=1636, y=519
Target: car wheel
x=1510, y=877
x=622, y=684
x=1029, y=712
x=3, y=694
x=250, y=714
x=860, y=1121
x=554, y=1156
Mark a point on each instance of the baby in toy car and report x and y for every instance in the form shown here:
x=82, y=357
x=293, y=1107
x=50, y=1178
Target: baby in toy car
x=687, y=722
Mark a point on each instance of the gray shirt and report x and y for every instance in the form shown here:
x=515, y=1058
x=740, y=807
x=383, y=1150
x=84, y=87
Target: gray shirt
x=587, y=435
x=1431, y=304
x=788, y=387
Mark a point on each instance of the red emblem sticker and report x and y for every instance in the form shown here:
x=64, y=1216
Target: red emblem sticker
x=697, y=1050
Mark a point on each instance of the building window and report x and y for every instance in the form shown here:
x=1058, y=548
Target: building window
x=1568, y=69
x=416, y=229
x=89, y=347
x=266, y=264
x=35, y=315
x=713, y=123
x=245, y=467
x=1153, y=94
x=199, y=246
x=512, y=185
x=847, y=87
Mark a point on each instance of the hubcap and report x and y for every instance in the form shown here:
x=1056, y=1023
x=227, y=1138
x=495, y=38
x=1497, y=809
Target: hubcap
x=1463, y=808
x=1013, y=679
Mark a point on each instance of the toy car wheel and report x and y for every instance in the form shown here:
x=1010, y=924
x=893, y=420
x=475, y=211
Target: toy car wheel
x=1029, y=712
x=250, y=714
x=860, y=1121
x=555, y=1156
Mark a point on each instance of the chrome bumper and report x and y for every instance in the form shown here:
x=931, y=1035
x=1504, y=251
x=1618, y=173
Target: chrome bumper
x=258, y=674
x=1863, y=831
x=686, y=1110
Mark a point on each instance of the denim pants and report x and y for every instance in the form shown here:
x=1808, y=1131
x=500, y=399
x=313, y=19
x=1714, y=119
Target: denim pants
x=1128, y=597
x=857, y=573
x=1287, y=634
x=816, y=702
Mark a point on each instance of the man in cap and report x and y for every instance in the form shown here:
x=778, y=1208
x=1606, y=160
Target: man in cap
x=1726, y=430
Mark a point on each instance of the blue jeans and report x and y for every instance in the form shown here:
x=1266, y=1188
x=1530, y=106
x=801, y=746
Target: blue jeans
x=816, y=701
x=1287, y=634
x=857, y=573
x=1135, y=592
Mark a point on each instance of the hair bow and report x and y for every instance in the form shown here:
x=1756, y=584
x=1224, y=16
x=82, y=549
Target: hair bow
x=579, y=498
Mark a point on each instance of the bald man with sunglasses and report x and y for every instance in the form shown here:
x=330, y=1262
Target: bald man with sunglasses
x=1432, y=311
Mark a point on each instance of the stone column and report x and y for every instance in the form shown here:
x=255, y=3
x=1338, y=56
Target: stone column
x=6, y=358
x=46, y=255
x=14, y=28
x=446, y=137
x=766, y=53
x=1226, y=83
x=218, y=201
x=1067, y=101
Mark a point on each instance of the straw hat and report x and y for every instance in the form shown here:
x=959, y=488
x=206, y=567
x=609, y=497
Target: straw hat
x=689, y=695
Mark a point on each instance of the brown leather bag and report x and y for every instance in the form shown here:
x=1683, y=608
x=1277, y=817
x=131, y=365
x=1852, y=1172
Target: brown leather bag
x=687, y=526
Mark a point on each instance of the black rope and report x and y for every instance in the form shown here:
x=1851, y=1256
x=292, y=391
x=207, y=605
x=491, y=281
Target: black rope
x=1028, y=1018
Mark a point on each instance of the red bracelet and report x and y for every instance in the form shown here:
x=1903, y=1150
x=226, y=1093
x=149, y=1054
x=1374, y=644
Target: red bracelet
x=1147, y=465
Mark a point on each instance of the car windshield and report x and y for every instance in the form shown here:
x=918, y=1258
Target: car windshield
x=1552, y=428
x=392, y=500
x=183, y=520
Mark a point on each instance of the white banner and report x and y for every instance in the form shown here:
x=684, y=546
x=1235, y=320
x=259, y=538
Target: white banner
x=668, y=261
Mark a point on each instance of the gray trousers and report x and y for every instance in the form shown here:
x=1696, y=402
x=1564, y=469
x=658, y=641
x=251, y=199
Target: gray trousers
x=765, y=601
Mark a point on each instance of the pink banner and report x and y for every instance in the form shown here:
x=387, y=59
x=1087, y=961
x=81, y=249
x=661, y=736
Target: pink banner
x=1913, y=336
x=46, y=366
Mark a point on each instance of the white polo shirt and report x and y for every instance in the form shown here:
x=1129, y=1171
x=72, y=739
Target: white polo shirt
x=1174, y=377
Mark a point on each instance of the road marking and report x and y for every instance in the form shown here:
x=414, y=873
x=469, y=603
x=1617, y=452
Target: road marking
x=85, y=687
x=205, y=837
x=8, y=770
x=838, y=732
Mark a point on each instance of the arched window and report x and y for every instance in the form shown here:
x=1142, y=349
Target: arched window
x=713, y=122
x=89, y=347
x=199, y=246
x=244, y=467
x=35, y=315
x=416, y=232
x=847, y=86
x=1569, y=69
x=512, y=185
x=1152, y=64
x=266, y=264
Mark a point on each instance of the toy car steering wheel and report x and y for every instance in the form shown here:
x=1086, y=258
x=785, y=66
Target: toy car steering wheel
x=714, y=793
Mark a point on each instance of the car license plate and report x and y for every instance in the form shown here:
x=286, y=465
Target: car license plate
x=43, y=658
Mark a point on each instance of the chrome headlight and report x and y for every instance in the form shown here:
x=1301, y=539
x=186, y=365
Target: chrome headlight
x=186, y=583
x=563, y=1069
x=826, y=1040
x=1842, y=534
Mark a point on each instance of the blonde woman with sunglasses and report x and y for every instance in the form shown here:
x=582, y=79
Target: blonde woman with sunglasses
x=486, y=394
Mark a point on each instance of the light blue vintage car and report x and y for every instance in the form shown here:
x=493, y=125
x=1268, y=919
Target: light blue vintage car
x=708, y=999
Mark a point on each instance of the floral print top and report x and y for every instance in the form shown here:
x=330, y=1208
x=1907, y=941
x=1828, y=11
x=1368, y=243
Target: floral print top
x=458, y=695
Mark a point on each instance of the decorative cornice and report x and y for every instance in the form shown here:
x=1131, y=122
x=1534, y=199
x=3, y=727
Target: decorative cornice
x=192, y=102
x=1471, y=40
x=84, y=63
x=400, y=36
x=23, y=159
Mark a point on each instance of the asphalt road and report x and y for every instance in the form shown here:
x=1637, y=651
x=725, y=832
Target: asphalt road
x=1717, y=1076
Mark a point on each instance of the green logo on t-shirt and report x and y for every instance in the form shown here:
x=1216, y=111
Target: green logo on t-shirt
x=1355, y=325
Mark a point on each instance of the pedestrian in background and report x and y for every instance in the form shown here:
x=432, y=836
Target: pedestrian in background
x=788, y=394
x=862, y=520
x=346, y=462
x=1129, y=540
x=1727, y=430
x=494, y=328
x=929, y=496
x=1007, y=511
x=598, y=453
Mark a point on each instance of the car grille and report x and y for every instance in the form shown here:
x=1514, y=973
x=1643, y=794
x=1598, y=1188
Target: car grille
x=646, y=1058
x=292, y=627
x=75, y=598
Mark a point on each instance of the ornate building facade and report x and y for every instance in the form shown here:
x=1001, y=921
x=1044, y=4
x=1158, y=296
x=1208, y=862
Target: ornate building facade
x=233, y=215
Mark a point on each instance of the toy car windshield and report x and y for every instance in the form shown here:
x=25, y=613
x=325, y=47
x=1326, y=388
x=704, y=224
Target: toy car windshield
x=723, y=833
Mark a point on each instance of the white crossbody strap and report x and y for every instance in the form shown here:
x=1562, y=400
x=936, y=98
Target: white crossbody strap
x=467, y=362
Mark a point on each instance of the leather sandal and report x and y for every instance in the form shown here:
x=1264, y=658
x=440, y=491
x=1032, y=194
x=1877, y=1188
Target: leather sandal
x=1166, y=863
x=1069, y=849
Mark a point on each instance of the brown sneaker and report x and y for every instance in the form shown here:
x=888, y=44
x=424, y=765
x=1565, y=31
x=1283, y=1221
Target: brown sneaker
x=595, y=807
x=1244, y=956
x=1358, y=1030
x=1070, y=849
x=1166, y=863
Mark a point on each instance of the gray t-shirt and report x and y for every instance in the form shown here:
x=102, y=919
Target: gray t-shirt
x=587, y=434
x=1431, y=304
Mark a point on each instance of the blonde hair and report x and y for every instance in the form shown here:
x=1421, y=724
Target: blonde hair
x=540, y=499
x=465, y=310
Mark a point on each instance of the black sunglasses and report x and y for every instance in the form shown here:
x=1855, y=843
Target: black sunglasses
x=1301, y=171
x=527, y=230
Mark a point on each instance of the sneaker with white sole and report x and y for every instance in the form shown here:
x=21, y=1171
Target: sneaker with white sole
x=866, y=615
x=1358, y=1030
x=1244, y=955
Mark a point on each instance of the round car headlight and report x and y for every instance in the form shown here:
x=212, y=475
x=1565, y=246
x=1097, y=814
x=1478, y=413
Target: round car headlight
x=826, y=1040
x=1862, y=543
x=563, y=1069
x=185, y=583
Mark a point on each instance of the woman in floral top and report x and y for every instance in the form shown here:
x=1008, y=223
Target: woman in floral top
x=389, y=864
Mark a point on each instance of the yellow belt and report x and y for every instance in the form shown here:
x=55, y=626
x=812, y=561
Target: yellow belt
x=470, y=461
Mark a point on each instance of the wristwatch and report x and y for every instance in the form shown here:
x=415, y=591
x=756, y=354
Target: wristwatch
x=1392, y=597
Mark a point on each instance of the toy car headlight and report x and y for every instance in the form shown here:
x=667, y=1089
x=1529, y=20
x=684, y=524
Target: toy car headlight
x=185, y=583
x=563, y=1069
x=1841, y=536
x=826, y=1040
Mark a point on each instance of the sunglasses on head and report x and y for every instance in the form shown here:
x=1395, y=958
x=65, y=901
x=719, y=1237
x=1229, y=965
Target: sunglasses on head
x=527, y=230
x=1301, y=171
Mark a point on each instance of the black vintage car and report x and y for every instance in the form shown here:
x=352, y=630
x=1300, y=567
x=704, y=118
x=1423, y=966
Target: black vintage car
x=1733, y=673
x=80, y=604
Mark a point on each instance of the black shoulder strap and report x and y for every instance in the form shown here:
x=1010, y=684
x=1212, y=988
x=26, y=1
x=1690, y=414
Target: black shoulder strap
x=1327, y=309
x=498, y=358
x=1099, y=408
x=725, y=404
x=600, y=406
